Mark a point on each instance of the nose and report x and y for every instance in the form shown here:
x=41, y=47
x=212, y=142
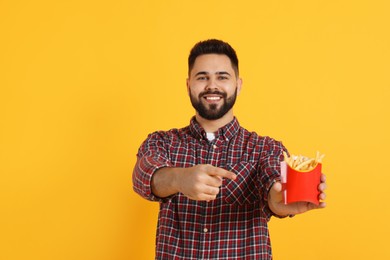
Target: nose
x=211, y=84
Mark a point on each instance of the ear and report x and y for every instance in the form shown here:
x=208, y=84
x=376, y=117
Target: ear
x=188, y=86
x=239, y=86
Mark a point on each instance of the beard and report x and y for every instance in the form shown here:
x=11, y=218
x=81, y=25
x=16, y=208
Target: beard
x=211, y=111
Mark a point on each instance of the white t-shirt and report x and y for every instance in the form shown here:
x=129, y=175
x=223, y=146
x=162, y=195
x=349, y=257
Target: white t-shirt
x=210, y=136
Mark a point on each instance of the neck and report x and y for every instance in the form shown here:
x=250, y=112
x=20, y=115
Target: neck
x=212, y=126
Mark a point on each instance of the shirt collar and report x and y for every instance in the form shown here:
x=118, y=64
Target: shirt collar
x=228, y=131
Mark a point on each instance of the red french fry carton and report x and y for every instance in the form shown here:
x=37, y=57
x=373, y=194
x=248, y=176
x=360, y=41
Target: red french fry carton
x=300, y=185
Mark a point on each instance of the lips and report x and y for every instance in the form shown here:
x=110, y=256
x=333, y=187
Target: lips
x=212, y=97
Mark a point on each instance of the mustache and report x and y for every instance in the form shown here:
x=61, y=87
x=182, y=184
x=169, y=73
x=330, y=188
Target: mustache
x=215, y=92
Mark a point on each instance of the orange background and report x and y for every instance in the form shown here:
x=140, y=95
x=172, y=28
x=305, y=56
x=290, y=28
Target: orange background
x=82, y=83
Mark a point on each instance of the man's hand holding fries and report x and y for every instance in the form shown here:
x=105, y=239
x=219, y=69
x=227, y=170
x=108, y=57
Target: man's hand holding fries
x=275, y=195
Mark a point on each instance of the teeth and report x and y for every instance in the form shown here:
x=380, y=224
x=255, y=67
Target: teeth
x=213, y=98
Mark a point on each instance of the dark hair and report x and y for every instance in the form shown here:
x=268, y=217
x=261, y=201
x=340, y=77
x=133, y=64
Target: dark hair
x=213, y=46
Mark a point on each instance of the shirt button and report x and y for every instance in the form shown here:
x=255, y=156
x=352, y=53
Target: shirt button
x=214, y=146
x=205, y=230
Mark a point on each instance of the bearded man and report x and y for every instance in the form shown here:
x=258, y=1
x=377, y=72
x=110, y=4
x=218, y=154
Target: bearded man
x=217, y=183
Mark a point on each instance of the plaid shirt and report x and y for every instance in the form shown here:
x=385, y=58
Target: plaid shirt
x=234, y=225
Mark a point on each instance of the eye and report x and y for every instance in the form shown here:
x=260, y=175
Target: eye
x=223, y=78
x=201, y=78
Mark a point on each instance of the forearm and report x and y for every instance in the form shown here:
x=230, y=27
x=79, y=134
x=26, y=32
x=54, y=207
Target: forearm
x=164, y=182
x=144, y=170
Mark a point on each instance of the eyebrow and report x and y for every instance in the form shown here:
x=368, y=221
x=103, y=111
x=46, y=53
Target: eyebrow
x=218, y=73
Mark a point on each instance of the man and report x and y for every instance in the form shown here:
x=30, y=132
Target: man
x=217, y=183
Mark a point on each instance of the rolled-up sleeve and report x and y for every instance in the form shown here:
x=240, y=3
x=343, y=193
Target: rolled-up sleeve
x=269, y=168
x=151, y=156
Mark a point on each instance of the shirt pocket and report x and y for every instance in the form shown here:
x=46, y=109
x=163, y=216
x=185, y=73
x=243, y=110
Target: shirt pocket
x=244, y=189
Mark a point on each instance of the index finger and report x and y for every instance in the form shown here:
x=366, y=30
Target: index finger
x=216, y=171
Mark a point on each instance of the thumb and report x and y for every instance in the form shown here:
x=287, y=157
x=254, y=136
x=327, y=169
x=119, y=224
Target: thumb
x=275, y=195
x=277, y=187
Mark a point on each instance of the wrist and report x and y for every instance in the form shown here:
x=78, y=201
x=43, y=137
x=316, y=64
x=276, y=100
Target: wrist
x=277, y=212
x=175, y=179
x=164, y=182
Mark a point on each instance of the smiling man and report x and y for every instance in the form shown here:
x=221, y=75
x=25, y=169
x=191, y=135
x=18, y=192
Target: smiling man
x=217, y=183
x=211, y=79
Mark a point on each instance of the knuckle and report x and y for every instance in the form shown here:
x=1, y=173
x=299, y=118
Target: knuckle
x=197, y=187
x=215, y=191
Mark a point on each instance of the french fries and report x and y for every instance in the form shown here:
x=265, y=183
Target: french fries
x=303, y=163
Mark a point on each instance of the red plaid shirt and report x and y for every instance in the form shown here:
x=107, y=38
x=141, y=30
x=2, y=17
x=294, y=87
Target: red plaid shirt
x=234, y=225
